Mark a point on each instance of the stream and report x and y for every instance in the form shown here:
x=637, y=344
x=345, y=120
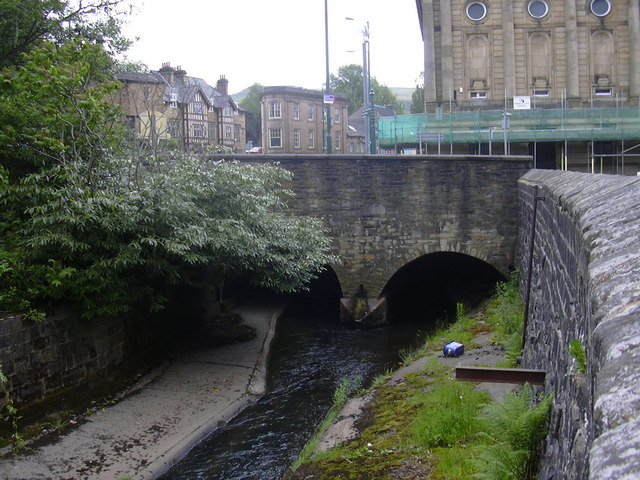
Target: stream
x=310, y=356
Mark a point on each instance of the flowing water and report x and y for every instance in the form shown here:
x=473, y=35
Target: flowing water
x=310, y=357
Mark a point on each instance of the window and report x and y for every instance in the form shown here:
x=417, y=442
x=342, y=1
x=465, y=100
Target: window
x=275, y=110
x=311, y=111
x=228, y=132
x=198, y=130
x=296, y=138
x=174, y=128
x=212, y=132
x=600, y=92
x=336, y=117
x=541, y=93
x=600, y=8
x=173, y=99
x=198, y=107
x=337, y=140
x=275, y=137
x=295, y=108
x=236, y=132
x=538, y=8
x=228, y=111
x=478, y=94
x=312, y=139
x=476, y=11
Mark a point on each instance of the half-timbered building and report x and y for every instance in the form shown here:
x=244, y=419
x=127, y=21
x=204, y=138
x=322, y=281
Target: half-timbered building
x=168, y=107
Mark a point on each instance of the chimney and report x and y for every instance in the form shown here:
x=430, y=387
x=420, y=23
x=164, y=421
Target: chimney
x=167, y=71
x=223, y=85
x=180, y=74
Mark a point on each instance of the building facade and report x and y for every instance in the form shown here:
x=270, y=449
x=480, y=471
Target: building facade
x=293, y=121
x=556, y=79
x=169, y=107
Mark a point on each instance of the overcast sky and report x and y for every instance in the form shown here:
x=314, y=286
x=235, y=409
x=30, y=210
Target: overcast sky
x=277, y=42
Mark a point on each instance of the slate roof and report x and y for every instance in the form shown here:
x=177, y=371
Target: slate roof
x=184, y=88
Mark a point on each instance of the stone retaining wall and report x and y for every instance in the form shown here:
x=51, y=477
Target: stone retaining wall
x=40, y=359
x=585, y=287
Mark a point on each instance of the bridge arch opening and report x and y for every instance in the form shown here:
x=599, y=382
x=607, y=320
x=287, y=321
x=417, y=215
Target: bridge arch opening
x=322, y=295
x=427, y=289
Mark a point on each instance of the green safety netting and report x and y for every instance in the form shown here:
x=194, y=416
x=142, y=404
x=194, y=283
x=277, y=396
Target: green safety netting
x=482, y=126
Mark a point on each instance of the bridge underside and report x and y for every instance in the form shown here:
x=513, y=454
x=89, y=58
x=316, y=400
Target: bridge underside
x=425, y=290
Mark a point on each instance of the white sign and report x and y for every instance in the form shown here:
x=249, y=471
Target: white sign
x=521, y=103
x=329, y=99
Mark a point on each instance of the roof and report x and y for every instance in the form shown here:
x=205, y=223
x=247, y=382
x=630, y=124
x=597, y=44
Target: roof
x=183, y=89
x=289, y=91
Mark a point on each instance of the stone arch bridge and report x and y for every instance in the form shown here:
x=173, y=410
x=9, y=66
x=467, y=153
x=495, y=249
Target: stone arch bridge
x=387, y=211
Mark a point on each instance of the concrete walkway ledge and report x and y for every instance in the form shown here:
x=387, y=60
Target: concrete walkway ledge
x=180, y=404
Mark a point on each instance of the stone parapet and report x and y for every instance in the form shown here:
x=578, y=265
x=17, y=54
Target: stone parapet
x=585, y=288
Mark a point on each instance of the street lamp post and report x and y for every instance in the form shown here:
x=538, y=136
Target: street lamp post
x=327, y=105
x=369, y=110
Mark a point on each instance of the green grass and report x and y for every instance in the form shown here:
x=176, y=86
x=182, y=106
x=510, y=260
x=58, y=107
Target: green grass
x=443, y=429
x=448, y=415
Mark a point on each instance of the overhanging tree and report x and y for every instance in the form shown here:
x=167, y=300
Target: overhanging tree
x=82, y=220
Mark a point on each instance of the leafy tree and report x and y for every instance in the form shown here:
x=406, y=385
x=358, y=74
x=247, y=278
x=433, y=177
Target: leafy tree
x=417, y=97
x=54, y=108
x=349, y=82
x=84, y=220
x=417, y=100
x=122, y=237
x=251, y=103
x=27, y=23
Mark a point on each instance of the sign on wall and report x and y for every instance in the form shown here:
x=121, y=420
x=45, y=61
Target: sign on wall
x=521, y=103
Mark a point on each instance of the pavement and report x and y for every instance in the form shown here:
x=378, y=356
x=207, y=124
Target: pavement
x=169, y=412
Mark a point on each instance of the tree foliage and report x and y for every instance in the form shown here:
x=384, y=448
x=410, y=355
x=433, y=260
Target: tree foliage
x=251, y=103
x=349, y=82
x=84, y=219
x=128, y=232
x=417, y=97
x=27, y=23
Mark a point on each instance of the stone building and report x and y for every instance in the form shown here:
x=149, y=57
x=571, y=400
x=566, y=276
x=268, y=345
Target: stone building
x=167, y=106
x=293, y=121
x=557, y=79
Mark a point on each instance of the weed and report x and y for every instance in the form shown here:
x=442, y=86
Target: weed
x=12, y=413
x=576, y=350
x=340, y=398
x=448, y=416
x=512, y=431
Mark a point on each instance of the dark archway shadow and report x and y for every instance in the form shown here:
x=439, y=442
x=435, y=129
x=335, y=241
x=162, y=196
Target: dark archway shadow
x=322, y=296
x=428, y=288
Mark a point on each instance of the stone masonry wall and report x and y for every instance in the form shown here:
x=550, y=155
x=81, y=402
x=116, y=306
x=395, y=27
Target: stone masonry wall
x=585, y=287
x=40, y=359
x=386, y=211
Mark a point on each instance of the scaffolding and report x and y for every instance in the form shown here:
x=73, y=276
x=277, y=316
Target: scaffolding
x=514, y=126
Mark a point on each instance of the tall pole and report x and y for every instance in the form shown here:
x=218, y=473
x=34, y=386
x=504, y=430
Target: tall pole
x=366, y=111
x=327, y=88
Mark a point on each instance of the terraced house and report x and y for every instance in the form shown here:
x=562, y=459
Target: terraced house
x=167, y=106
x=556, y=79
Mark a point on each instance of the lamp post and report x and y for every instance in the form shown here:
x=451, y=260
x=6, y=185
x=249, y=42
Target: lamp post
x=369, y=110
x=327, y=105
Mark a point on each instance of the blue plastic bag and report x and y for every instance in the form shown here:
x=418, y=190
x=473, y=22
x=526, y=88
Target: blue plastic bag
x=453, y=349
